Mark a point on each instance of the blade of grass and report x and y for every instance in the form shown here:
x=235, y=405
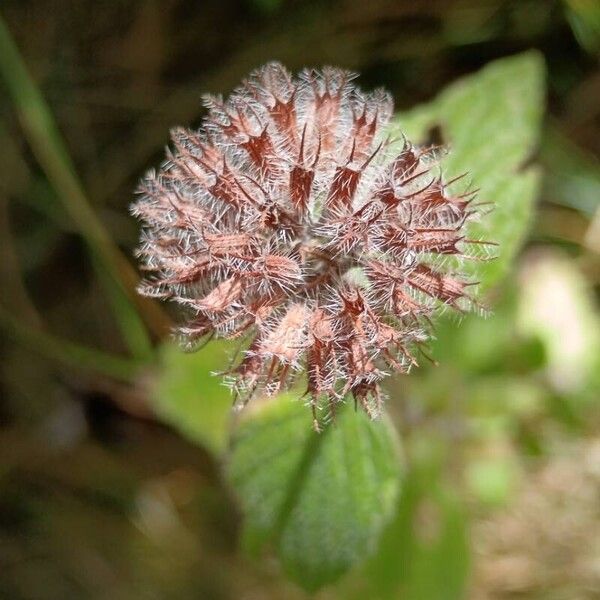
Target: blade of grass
x=13, y=292
x=70, y=353
x=132, y=328
x=24, y=184
x=51, y=152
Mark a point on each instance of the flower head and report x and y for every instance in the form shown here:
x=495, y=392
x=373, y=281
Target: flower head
x=291, y=221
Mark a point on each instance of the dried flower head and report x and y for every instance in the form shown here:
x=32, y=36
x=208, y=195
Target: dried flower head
x=290, y=220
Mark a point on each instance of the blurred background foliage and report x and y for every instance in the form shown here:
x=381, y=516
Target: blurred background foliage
x=117, y=476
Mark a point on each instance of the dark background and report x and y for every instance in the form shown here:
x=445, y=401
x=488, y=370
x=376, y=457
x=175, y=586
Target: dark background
x=98, y=499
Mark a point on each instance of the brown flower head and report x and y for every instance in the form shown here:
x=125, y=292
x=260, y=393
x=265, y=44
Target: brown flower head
x=291, y=221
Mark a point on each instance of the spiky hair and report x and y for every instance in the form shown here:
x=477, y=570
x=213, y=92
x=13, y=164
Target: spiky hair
x=291, y=221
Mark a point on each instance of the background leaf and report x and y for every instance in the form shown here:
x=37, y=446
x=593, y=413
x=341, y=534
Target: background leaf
x=424, y=553
x=491, y=122
x=321, y=499
x=190, y=397
x=572, y=177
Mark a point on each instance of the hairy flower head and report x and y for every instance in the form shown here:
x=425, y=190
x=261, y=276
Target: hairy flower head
x=291, y=221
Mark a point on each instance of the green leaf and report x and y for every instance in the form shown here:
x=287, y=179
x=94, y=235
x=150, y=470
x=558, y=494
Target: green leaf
x=572, y=176
x=320, y=499
x=492, y=480
x=491, y=121
x=424, y=553
x=584, y=18
x=191, y=398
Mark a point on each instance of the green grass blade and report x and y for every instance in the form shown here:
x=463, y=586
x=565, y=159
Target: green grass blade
x=70, y=353
x=51, y=152
x=132, y=328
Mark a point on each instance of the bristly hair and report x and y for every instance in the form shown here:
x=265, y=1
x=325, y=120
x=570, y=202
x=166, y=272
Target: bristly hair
x=290, y=221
